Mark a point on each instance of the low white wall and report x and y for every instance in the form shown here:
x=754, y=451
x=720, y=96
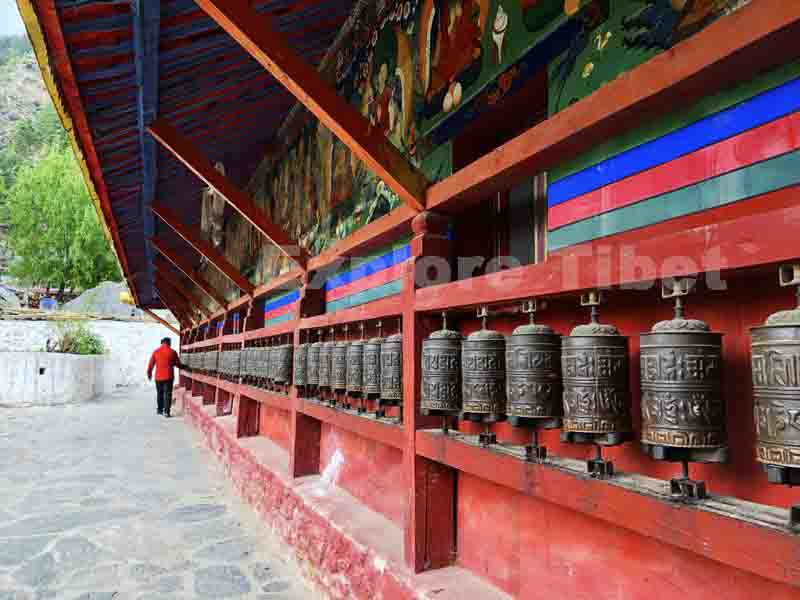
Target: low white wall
x=69, y=378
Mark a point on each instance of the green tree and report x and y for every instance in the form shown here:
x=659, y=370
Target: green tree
x=54, y=231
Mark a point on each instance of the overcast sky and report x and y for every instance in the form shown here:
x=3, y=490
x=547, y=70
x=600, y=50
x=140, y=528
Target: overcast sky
x=10, y=21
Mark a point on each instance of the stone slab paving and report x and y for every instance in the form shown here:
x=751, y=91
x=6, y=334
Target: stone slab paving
x=108, y=500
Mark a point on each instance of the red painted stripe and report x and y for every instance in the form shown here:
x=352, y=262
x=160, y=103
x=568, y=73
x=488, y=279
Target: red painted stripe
x=751, y=147
x=287, y=308
x=365, y=283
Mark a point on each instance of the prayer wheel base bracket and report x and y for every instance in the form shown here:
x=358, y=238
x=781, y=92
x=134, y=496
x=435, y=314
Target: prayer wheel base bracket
x=614, y=438
x=794, y=518
x=687, y=489
x=487, y=438
x=599, y=468
x=535, y=453
x=533, y=422
x=481, y=417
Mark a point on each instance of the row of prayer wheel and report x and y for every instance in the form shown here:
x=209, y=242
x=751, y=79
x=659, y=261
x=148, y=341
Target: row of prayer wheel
x=537, y=378
x=202, y=362
x=364, y=369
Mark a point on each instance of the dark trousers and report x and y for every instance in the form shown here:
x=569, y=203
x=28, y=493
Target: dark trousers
x=164, y=395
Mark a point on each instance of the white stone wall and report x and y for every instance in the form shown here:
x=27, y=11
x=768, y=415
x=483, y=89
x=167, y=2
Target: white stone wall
x=128, y=345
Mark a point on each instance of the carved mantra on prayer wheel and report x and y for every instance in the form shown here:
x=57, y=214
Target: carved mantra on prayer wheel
x=300, y=372
x=483, y=375
x=339, y=366
x=355, y=367
x=313, y=363
x=533, y=376
x=441, y=373
x=283, y=363
x=325, y=354
x=392, y=370
x=372, y=367
x=596, y=397
x=683, y=412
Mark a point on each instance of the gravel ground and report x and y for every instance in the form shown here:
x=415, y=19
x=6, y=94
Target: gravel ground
x=108, y=500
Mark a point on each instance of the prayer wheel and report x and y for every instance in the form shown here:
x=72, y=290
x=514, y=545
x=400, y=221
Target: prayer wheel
x=339, y=365
x=775, y=359
x=272, y=364
x=312, y=364
x=300, y=371
x=483, y=374
x=683, y=411
x=392, y=370
x=596, y=393
x=441, y=372
x=355, y=366
x=283, y=363
x=533, y=371
x=372, y=366
x=325, y=355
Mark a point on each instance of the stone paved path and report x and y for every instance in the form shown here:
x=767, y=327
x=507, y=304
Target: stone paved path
x=107, y=500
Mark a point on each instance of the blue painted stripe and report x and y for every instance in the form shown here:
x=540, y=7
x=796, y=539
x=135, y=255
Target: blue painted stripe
x=757, y=111
x=277, y=320
x=382, y=291
x=282, y=301
x=375, y=265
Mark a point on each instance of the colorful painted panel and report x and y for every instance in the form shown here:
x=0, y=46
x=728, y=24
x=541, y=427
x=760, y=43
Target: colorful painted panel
x=749, y=148
x=370, y=279
x=281, y=308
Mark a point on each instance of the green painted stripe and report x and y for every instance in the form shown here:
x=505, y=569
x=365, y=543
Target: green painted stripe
x=678, y=119
x=279, y=296
x=281, y=319
x=370, y=295
x=754, y=180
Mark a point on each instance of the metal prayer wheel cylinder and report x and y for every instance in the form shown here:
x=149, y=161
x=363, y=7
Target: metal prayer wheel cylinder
x=355, y=367
x=683, y=411
x=596, y=393
x=441, y=373
x=775, y=359
x=300, y=371
x=312, y=363
x=325, y=355
x=483, y=375
x=392, y=370
x=283, y=363
x=372, y=367
x=339, y=366
x=533, y=376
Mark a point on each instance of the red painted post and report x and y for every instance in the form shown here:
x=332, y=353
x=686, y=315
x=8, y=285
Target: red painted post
x=430, y=510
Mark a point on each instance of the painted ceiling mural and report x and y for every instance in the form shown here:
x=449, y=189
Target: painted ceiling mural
x=422, y=70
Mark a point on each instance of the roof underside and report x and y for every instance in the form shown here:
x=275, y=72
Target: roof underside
x=137, y=60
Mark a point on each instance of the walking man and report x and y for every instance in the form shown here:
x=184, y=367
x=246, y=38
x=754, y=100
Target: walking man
x=164, y=359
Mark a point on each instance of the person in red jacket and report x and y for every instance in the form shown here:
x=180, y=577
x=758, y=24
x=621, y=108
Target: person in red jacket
x=164, y=360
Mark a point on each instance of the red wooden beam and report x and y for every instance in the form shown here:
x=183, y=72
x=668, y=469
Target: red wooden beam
x=758, y=37
x=166, y=293
x=162, y=321
x=186, y=152
x=180, y=292
x=187, y=269
x=379, y=431
x=270, y=48
x=160, y=267
x=194, y=238
x=184, y=320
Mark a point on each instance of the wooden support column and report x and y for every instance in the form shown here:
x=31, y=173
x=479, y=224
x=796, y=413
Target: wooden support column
x=429, y=541
x=186, y=268
x=270, y=48
x=194, y=238
x=161, y=271
x=162, y=321
x=186, y=152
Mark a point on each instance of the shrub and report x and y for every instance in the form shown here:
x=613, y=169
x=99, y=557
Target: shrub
x=76, y=338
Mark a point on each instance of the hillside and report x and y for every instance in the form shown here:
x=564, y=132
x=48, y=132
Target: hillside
x=22, y=92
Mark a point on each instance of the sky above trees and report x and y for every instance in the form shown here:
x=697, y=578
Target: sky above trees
x=10, y=21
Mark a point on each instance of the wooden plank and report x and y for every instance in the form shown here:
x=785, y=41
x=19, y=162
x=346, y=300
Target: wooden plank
x=186, y=152
x=279, y=401
x=160, y=268
x=724, y=54
x=366, y=427
x=733, y=532
x=721, y=239
x=270, y=48
x=386, y=307
x=163, y=284
x=162, y=321
x=194, y=238
x=183, y=265
x=174, y=301
x=178, y=312
x=280, y=329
